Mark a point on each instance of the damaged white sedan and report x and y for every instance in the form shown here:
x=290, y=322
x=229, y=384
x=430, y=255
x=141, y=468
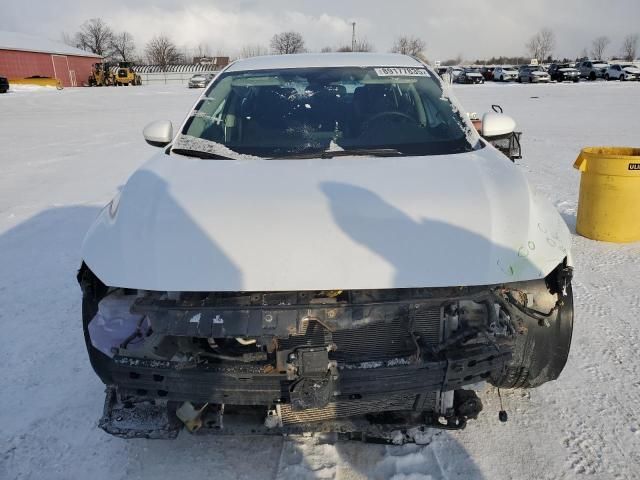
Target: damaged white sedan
x=327, y=244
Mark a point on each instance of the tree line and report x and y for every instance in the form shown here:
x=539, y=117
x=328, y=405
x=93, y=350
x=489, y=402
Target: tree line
x=541, y=46
x=96, y=36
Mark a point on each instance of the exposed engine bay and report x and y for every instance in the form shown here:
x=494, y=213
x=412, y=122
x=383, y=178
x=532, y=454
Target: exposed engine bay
x=365, y=363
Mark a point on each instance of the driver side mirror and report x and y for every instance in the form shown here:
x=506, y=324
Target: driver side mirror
x=497, y=125
x=158, y=133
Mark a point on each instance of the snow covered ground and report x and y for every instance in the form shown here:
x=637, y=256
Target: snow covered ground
x=63, y=155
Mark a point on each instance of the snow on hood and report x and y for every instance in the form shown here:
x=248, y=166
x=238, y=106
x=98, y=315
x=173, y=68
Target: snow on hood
x=568, y=69
x=631, y=69
x=539, y=73
x=343, y=223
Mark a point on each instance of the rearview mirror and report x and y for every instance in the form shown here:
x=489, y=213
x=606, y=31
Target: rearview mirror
x=497, y=125
x=158, y=133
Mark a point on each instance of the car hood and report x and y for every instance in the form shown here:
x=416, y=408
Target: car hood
x=184, y=224
x=539, y=74
x=633, y=70
x=568, y=70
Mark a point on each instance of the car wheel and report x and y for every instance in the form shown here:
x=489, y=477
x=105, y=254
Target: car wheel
x=530, y=79
x=606, y=77
x=622, y=79
x=541, y=353
x=592, y=76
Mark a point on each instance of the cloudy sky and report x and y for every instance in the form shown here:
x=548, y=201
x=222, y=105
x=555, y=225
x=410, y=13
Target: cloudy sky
x=470, y=28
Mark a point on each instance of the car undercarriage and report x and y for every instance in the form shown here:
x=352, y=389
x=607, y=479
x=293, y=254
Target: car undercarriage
x=365, y=363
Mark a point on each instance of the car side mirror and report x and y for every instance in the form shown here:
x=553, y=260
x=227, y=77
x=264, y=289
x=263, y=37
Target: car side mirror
x=497, y=125
x=158, y=133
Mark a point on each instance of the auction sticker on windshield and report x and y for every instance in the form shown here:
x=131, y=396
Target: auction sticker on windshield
x=401, y=72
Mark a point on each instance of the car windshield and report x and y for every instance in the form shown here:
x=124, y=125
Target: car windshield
x=302, y=111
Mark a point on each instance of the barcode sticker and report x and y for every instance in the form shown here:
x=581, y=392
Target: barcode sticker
x=401, y=72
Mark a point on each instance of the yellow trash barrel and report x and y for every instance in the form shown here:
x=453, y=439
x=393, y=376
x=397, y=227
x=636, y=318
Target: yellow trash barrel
x=609, y=204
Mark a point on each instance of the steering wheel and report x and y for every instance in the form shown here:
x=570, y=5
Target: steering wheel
x=380, y=115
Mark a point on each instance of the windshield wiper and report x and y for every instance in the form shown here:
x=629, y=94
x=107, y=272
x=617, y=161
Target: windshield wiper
x=200, y=154
x=372, y=152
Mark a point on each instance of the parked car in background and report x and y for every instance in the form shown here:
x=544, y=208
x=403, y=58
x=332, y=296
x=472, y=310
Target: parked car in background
x=533, y=74
x=470, y=76
x=487, y=72
x=592, y=69
x=505, y=74
x=564, y=72
x=200, y=80
x=4, y=85
x=454, y=72
x=622, y=72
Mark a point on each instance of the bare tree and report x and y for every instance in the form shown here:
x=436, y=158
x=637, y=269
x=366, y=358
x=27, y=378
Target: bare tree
x=95, y=36
x=453, y=61
x=409, y=45
x=123, y=47
x=68, y=39
x=630, y=47
x=541, y=45
x=203, y=50
x=160, y=50
x=255, y=50
x=360, y=46
x=598, y=47
x=287, y=42
x=326, y=50
x=547, y=43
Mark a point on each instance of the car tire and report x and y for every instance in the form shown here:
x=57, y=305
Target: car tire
x=592, y=76
x=541, y=353
x=607, y=77
x=622, y=79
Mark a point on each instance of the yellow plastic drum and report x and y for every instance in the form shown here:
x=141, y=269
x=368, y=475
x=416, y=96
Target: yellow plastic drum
x=609, y=205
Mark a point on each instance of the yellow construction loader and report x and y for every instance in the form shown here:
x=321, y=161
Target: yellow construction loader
x=101, y=75
x=126, y=75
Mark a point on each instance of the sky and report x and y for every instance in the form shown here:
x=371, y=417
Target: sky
x=469, y=28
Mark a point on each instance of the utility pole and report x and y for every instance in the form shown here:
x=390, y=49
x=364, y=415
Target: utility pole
x=353, y=37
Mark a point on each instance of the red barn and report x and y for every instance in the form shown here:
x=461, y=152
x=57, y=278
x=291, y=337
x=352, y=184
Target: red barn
x=24, y=56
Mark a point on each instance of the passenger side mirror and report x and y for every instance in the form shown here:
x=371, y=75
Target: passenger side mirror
x=158, y=133
x=497, y=125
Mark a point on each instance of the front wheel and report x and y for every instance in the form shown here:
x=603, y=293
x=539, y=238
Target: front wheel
x=541, y=351
x=622, y=79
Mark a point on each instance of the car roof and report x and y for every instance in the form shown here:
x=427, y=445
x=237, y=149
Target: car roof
x=308, y=60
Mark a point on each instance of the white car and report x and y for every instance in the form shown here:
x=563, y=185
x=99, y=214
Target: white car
x=592, y=70
x=200, y=80
x=454, y=73
x=505, y=74
x=622, y=71
x=533, y=74
x=327, y=244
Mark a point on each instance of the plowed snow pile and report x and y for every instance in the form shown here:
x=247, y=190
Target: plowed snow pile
x=64, y=154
